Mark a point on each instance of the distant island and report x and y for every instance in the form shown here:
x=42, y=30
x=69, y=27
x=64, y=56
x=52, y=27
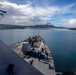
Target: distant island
x=7, y=26
x=3, y=26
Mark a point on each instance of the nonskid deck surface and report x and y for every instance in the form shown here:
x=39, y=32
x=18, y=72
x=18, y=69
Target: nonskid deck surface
x=21, y=67
x=43, y=64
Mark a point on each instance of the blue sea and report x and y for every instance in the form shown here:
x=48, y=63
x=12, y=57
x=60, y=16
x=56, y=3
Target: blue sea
x=61, y=42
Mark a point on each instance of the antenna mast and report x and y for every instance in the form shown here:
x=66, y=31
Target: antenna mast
x=2, y=12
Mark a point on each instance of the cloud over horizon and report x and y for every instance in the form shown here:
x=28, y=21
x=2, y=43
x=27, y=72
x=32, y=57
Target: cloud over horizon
x=27, y=14
x=70, y=23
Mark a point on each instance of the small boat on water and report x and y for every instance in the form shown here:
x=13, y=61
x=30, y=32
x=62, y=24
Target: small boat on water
x=35, y=51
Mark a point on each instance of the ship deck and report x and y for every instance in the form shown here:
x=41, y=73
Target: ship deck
x=21, y=67
x=44, y=63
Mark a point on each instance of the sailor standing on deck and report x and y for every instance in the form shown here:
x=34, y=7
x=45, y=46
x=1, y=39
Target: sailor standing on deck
x=46, y=53
x=39, y=55
x=29, y=39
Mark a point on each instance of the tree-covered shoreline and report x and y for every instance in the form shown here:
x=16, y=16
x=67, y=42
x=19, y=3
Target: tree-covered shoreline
x=3, y=26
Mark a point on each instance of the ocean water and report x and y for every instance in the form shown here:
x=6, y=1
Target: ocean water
x=62, y=44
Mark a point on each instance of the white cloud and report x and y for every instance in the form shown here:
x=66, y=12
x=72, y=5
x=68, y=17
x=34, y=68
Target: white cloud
x=70, y=23
x=26, y=14
x=67, y=8
x=21, y=14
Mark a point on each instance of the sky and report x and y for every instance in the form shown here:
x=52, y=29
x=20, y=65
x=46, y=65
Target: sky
x=39, y=12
